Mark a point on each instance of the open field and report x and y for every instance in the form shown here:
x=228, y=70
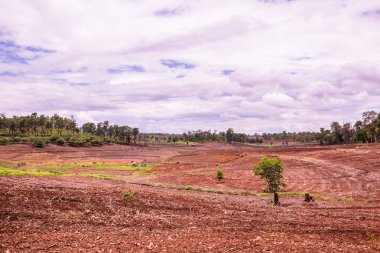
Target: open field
x=165, y=198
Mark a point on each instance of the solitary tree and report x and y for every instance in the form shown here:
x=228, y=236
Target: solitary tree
x=270, y=169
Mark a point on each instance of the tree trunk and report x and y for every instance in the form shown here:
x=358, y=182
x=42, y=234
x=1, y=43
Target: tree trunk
x=276, y=199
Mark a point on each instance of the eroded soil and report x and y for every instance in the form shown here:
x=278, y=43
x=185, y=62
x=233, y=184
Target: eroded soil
x=73, y=213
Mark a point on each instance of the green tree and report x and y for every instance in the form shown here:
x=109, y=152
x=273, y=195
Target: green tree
x=270, y=169
x=230, y=135
x=347, y=133
x=135, y=132
x=369, y=121
x=321, y=135
x=336, y=130
x=89, y=128
x=360, y=134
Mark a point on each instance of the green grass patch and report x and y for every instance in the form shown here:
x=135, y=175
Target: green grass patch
x=201, y=189
x=345, y=199
x=184, y=143
x=13, y=172
x=315, y=195
x=99, y=176
x=7, y=164
x=143, y=173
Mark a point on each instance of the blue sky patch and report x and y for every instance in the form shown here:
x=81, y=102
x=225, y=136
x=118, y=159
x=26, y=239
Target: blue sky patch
x=39, y=50
x=372, y=12
x=11, y=74
x=126, y=69
x=228, y=72
x=80, y=84
x=10, y=52
x=64, y=71
x=181, y=76
x=177, y=64
x=166, y=12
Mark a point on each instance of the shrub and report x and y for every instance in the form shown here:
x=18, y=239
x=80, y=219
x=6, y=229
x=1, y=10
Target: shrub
x=219, y=174
x=38, y=143
x=24, y=139
x=15, y=139
x=54, y=138
x=60, y=141
x=72, y=141
x=3, y=141
x=77, y=142
x=96, y=141
x=129, y=195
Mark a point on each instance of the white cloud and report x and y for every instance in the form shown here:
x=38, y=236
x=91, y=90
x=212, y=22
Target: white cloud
x=278, y=99
x=298, y=64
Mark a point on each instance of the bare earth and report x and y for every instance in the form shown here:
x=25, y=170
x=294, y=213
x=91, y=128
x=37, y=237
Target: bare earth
x=83, y=214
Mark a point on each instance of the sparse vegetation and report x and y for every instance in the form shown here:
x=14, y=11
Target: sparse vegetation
x=21, y=164
x=219, y=174
x=371, y=238
x=13, y=172
x=99, y=176
x=187, y=191
x=200, y=189
x=129, y=195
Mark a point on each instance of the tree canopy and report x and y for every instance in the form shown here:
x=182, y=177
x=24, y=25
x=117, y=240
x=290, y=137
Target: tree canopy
x=270, y=169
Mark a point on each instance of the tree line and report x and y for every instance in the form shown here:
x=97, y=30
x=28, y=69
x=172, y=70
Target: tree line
x=231, y=136
x=366, y=130
x=22, y=128
x=56, y=127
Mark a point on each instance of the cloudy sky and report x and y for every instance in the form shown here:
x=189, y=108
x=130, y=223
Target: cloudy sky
x=171, y=66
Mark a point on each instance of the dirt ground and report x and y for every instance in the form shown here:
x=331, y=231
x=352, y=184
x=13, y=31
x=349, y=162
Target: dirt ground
x=73, y=213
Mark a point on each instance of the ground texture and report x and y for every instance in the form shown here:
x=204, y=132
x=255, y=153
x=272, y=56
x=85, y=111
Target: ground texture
x=99, y=203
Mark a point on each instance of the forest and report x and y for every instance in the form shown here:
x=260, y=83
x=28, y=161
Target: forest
x=40, y=129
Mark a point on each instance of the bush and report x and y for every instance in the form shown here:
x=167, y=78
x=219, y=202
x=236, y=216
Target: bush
x=3, y=141
x=54, y=138
x=80, y=141
x=219, y=174
x=20, y=164
x=15, y=139
x=60, y=141
x=76, y=142
x=38, y=143
x=96, y=141
x=24, y=139
x=129, y=195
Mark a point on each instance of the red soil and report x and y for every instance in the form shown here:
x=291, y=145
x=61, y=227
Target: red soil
x=79, y=214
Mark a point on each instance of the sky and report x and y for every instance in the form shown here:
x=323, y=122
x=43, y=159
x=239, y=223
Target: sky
x=172, y=66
